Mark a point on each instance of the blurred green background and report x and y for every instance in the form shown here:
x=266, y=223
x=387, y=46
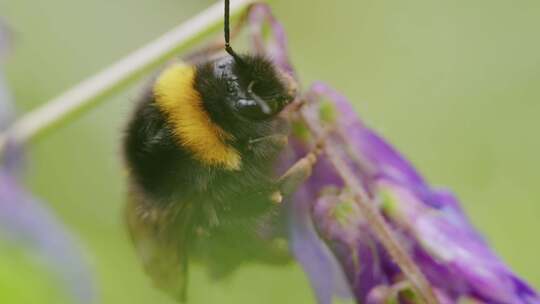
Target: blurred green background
x=454, y=84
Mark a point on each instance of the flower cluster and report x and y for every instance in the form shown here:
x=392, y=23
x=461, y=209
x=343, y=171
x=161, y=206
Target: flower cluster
x=428, y=222
x=27, y=223
x=334, y=240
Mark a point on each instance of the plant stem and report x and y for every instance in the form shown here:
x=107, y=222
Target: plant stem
x=89, y=92
x=373, y=217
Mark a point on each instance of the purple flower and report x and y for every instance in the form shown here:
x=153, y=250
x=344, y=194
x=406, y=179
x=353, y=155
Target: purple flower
x=429, y=223
x=332, y=239
x=276, y=48
x=26, y=222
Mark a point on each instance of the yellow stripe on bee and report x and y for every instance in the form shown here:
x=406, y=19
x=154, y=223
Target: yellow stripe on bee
x=177, y=98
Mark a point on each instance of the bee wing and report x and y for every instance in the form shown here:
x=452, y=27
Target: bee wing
x=160, y=237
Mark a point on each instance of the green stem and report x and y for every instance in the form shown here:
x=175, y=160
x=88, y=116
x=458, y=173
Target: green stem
x=91, y=91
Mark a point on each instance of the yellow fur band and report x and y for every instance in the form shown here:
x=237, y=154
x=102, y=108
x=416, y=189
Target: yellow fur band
x=177, y=98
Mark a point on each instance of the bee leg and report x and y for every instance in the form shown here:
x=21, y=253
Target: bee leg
x=297, y=174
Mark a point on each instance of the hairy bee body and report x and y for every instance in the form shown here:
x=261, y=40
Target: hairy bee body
x=200, y=154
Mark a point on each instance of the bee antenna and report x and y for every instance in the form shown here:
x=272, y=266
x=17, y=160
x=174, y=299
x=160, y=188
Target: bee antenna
x=227, y=31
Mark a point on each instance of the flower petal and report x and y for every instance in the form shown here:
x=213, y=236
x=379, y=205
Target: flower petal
x=277, y=47
x=320, y=265
x=341, y=224
x=386, y=160
x=450, y=251
x=323, y=270
x=429, y=222
x=26, y=222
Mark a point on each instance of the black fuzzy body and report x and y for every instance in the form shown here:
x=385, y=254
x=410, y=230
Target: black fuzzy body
x=179, y=207
x=168, y=173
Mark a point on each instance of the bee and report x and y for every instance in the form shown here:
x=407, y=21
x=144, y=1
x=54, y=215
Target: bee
x=200, y=151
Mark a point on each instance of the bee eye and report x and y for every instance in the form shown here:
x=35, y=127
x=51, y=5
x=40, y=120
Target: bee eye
x=251, y=109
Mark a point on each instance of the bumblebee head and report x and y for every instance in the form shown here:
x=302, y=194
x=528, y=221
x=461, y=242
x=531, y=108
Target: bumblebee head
x=255, y=90
x=243, y=97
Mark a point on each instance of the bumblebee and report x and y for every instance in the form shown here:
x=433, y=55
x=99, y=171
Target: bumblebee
x=200, y=151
